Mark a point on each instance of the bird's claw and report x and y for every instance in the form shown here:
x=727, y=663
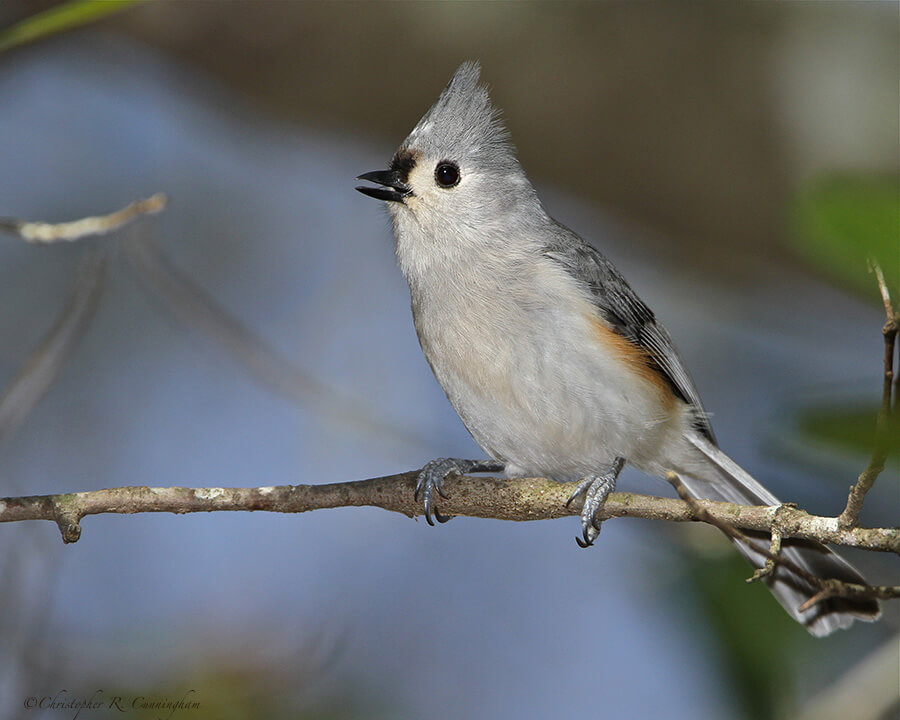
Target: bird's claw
x=429, y=483
x=432, y=476
x=595, y=488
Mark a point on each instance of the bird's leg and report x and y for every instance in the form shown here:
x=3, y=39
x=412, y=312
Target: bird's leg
x=595, y=488
x=435, y=472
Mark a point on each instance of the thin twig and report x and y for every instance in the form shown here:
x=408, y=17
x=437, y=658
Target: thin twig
x=884, y=426
x=774, y=552
x=838, y=588
x=44, y=233
x=44, y=364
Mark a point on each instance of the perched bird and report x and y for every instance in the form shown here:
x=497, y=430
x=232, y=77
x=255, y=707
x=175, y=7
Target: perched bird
x=555, y=365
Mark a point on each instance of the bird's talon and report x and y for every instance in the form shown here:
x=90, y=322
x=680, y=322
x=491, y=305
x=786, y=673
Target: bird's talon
x=588, y=535
x=429, y=484
x=428, y=515
x=596, y=488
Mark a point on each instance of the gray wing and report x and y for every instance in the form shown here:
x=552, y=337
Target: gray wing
x=629, y=316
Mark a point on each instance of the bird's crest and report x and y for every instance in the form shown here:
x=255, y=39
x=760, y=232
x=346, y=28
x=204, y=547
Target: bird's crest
x=462, y=120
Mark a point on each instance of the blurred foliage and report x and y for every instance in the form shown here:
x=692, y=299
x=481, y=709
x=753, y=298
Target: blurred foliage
x=60, y=18
x=757, y=641
x=850, y=429
x=842, y=222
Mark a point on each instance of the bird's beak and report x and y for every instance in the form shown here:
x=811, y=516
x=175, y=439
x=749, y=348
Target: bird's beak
x=393, y=188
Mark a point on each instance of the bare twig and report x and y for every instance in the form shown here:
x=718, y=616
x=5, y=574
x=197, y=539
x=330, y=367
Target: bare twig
x=44, y=233
x=832, y=588
x=884, y=426
x=44, y=364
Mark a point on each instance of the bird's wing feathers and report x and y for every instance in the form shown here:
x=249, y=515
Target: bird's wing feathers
x=629, y=316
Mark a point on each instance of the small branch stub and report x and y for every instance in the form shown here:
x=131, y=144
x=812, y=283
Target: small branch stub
x=774, y=551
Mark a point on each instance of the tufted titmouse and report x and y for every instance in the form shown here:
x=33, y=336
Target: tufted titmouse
x=553, y=362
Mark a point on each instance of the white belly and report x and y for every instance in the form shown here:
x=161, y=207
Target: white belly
x=533, y=383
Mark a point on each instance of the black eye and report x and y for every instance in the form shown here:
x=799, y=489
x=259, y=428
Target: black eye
x=446, y=174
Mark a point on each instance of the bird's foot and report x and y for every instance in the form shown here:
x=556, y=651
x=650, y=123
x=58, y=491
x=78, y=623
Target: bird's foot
x=432, y=476
x=595, y=488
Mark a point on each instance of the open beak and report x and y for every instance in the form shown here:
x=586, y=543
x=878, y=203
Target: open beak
x=393, y=188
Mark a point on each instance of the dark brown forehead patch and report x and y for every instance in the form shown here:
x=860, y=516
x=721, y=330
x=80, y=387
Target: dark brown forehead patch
x=404, y=161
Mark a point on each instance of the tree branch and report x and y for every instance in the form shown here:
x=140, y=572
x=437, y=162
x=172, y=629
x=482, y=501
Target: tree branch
x=484, y=497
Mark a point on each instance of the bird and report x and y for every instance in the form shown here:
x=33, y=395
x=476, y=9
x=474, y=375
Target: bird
x=555, y=365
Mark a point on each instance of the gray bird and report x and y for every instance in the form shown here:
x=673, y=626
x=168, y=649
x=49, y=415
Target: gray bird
x=555, y=365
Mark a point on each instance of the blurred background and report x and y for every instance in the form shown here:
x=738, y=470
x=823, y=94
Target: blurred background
x=738, y=162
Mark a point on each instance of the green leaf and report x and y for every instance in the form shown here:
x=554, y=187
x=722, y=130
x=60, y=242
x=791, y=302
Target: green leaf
x=850, y=428
x=60, y=18
x=842, y=222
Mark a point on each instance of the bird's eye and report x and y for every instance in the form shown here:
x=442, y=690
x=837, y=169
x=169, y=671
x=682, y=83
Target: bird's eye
x=446, y=174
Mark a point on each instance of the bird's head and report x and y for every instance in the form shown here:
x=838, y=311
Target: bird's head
x=457, y=169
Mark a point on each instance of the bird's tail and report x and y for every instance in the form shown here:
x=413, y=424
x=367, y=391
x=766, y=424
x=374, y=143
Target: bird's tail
x=711, y=474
